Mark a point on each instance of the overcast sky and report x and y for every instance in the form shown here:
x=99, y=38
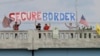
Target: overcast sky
x=89, y=8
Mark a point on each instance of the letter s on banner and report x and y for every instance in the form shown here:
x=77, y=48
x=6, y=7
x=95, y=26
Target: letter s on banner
x=11, y=16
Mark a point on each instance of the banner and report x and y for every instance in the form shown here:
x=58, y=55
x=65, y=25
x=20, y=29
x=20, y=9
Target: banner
x=42, y=16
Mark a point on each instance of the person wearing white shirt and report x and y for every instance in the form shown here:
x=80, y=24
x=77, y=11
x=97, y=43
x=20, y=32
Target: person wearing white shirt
x=70, y=27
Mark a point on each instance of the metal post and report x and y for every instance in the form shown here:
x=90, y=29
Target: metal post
x=76, y=14
x=32, y=52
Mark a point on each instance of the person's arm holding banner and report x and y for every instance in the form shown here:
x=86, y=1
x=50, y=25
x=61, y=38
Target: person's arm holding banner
x=67, y=25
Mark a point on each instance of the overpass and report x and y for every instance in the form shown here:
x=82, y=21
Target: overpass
x=29, y=39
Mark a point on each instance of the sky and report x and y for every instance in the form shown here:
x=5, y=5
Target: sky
x=89, y=8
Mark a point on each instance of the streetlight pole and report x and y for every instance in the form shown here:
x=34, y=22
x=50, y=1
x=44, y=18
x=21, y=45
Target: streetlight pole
x=76, y=14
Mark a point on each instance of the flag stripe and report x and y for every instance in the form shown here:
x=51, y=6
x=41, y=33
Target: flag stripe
x=6, y=22
x=83, y=21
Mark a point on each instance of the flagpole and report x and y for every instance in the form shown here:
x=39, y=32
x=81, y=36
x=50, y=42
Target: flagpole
x=76, y=14
x=35, y=23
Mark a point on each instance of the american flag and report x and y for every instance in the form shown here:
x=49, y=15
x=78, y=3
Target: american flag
x=83, y=21
x=6, y=22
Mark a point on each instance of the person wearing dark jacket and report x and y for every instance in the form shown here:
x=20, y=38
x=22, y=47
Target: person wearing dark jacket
x=38, y=27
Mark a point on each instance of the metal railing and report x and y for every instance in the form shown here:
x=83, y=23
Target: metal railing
x=68, y=34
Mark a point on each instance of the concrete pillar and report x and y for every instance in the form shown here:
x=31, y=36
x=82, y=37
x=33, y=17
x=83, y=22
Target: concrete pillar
x=30, y=39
